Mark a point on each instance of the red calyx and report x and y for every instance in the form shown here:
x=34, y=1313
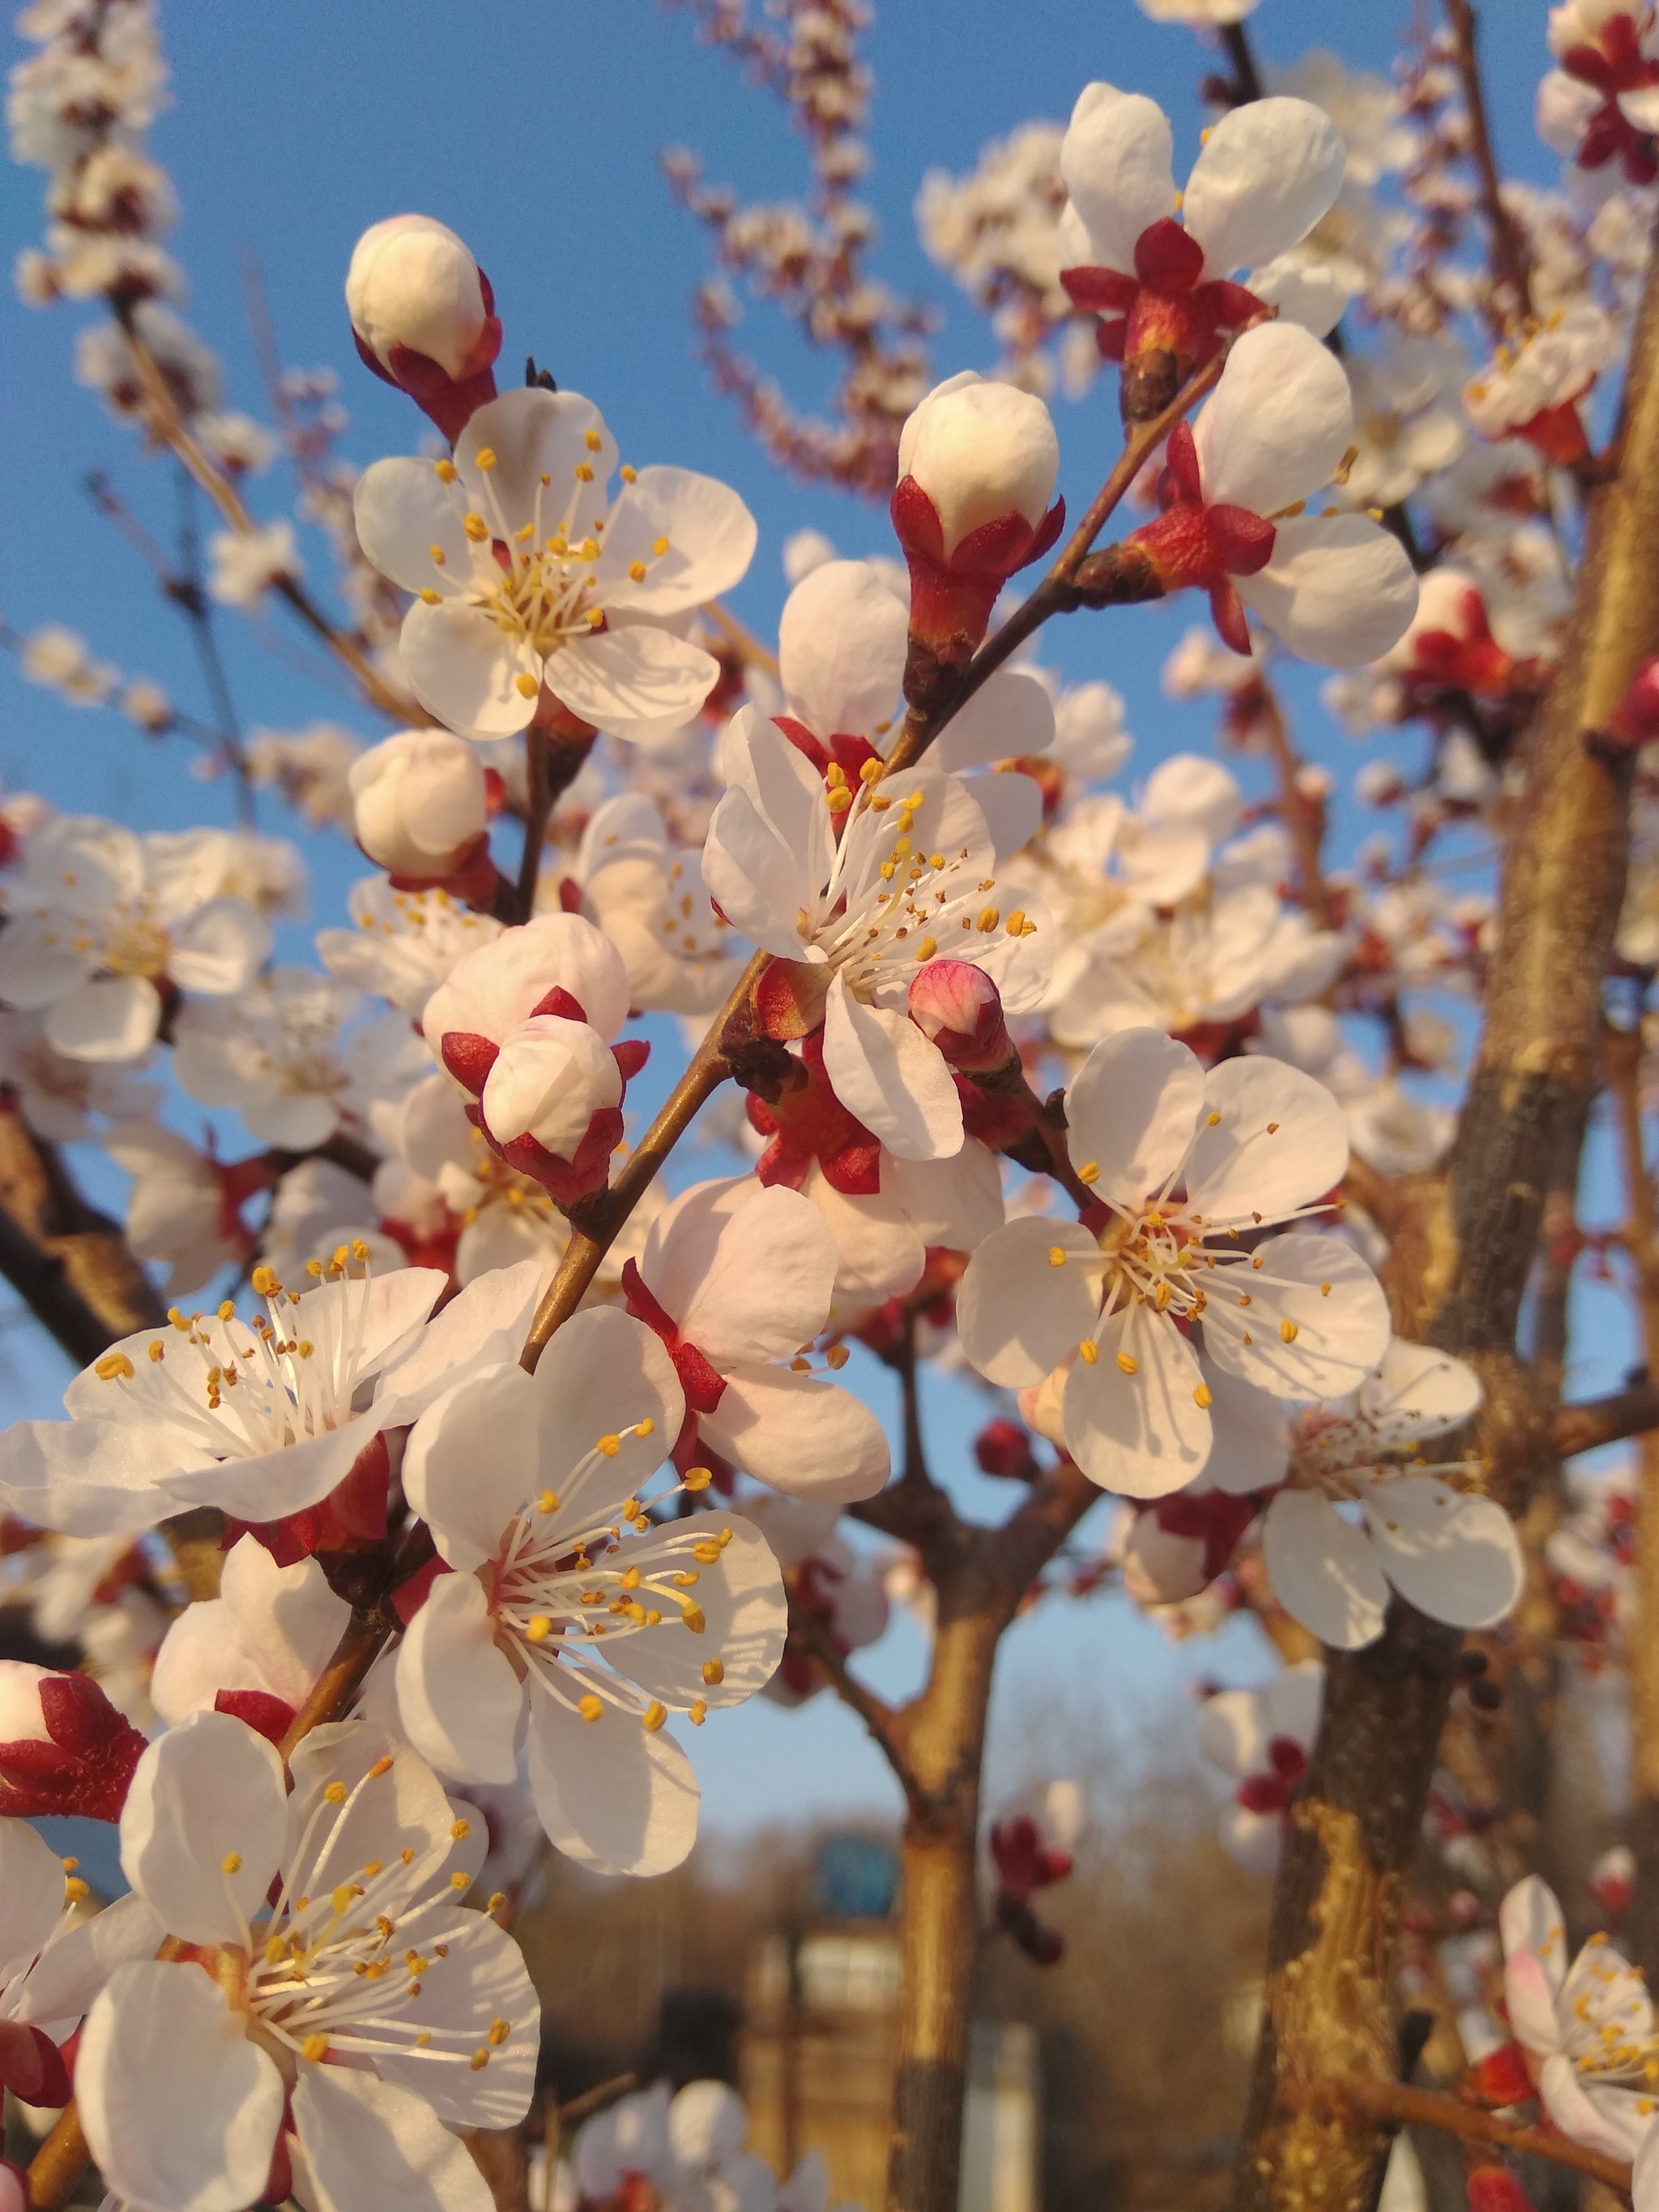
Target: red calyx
x=83, y=1765
x=267, y=1714
x=1614, y=64
x=1559, y=433
x=588, y=1170
x=1288, y=1762
x=1636, y=720
x=1495, y=2188
x=351, y=1518
x=451, y=401
x=1195, y=545
x=951, y=596
x=471, y=878
x=1024, y=1863
x=1469, y=660
x=809, y=1126
x=32, y=2067
x=700, y=1380
x=1213, y=1518
x=1004, y=1448
x=1166, y=306
x=1500, y=2079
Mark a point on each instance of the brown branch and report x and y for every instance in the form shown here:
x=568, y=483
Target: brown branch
x=68, y=1263
x=538, y=806
x=1396, y=2105
x=1590, y=1422
x=58, y=2165
x=1303, y=817
x=809, y=1629
x=1511, y=261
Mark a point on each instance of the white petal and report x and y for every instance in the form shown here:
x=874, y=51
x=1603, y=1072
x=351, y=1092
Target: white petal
x=1530, y=1918
x=481, y=1327
x=1010, y=717
x=464, y=670
x=470, y=1462
x=1115, y=162
x=1233, y=1732
x=1141, y=1434
x=115, y=1018
x=800, y=1434
x=1252, y=1840
x=841, y=642
x=208, y=1792
x=1278, y=423
x=274, y=1483
x=889, y=1077
x=1319, y=1324
x=879, y=1252
x=371, y=2147
x=610, y=1793
x=93, y=1478
x=752, y=876
x=1251, y=1429
x=1281, y=1141
x=459, y=1697
x=533, y=433
x=1418, y=1392
x=604, y=1358
x=1323, y=1570
x=67, y=1980
x=31, y=1896
x=1131, y=1110
x=402, y=512
x=711, y=541
x=219, y=949
x=745, y=1616
x=1268, y=172
x=1292, y=1700
x=1019, y=1314
x=1457, y=1559
x=746, y=1273
x=619, y=678
x=1608, y=2120
x=180, y=2109
x=1340, y=589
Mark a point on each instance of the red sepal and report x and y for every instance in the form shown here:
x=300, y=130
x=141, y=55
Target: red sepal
x=469, y=1058
x=83, y=1765
x=1501, y=2078
x=32, y=2067
x=267, y=1714
x=560, y=1003
x=1168, y=257
x=409, y=1596
x=700, y=1380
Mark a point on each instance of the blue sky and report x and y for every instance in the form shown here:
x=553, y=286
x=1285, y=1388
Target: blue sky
x=533, y=127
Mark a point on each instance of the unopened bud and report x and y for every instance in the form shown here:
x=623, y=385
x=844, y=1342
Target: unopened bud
x=981, y=451
x=1495, y=2188
x=958, y=1008
x=1004, y=1448
x=414, y=285
x=419, y=801
x=550, y=1078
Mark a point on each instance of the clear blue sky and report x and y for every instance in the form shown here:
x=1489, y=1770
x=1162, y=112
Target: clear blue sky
x=533, y=128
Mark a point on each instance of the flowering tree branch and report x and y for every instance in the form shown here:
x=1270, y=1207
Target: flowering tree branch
x=1511, y=261
x=1398, y=2105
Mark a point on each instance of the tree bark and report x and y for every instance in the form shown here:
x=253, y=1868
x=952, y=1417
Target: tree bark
x=70, y=1264
x=1460, y=1277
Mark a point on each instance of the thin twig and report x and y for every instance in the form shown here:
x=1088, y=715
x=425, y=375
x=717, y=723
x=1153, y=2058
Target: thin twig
x=1393, y=2101
x=1510, y=262
x=187, y=591
x=538, y=805
x=1595, y=1421
x=742, y=639
x=1303, y=819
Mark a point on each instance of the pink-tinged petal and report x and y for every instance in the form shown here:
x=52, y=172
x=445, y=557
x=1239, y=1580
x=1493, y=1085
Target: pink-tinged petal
x=798, y=1434
x=604, y=1365
x=1339, y=591
x=1531, y=2004
x=889, y=1077
x=711, y=541
x=746, y=1273
x=219, y=949
x=204, y=1826
x=484, y=1326
x=1019, y=1313
x=93, y=1478
x=457, y=1694
x=610, y=1793
x=464, y=669
x=371, y=2147
x=619, y=678
x=1418, y=1392
x=1268, y=172
x=1131, y=1110
x=114, y=1018
x=752, y=876
x=1010, y=717
x=470, y=1462
x=31, y=1896
x=1323, y=1570
x=1140, y=1434
x=402, y=512
x=1252, y=1447
x=745, y=1618
x=1277, y=424
x=1608, y=2120
x=276, y=1483
x=1115, y=162
x=180, y=2109
x=272, y=1629
x=1272, y=1140
x=1317, y=1320
x=1457, y=1559
x=1530, y=1919
x=841, y=642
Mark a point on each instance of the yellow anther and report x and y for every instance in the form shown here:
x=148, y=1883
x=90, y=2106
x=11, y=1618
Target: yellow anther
x=231, y=1862
x=1212, y=1121
x=180, y=1321
x=631, y=1579
x=1324, y=1290
x=838, y=799
x=660, y=546
x=439, y=558
x=548, y=1502
x=714, y=1671
x=476, y=528
x=836, y=1357
x=697, y=1712
x=1056, y=1255
x=479, y=2059
x=114, y=1367
x=526, y=685
x=608, y=1446
x=315, y=1268
x=382, y=1766
x=1202, y=1396
x=1128, y=1364
x=706, y=1553
x=275, y=1949
x=1015, y=924
x=1088, y=1172
x=593, y=440
x=1287, y=1331
x=74, y=1890
x=654, y=1717
x=989, y=916
x=499, y=2032
x=646, y=1427
x=584, y=472
x=695, y=1619
x=636, y=570
x=725, y=1537
x=589, y=1707
x=1088, y=1352
x=460, y=1881
x=629, y=475
x=927, y=948
x=341, y=1899
x=538, y=1628
x=484, y=458
x=69, y=1864
x=315, y=2047
x=336, y=1793
x=447, y=470
x=266, y=1284
x=697, y=1477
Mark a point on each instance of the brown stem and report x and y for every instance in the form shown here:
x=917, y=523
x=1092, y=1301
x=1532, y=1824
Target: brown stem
x=1303, y=819
x=920, y=729
x=364, y=1638
x=1246, y=85
x=68, y=1263
x=1395, y=2103
x=1594, y=1421
x=1461, y=1260
x=1510, y=262
x=538, y=806
x=58, y=2164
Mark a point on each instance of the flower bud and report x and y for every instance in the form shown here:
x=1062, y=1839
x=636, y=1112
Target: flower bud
x=1004, y=1448
x=1495, y=2188
x=423, y=316
x=957, y=1007
x=551, y=1077
x=420, y=804
x=63, y=1748
x=981, y=451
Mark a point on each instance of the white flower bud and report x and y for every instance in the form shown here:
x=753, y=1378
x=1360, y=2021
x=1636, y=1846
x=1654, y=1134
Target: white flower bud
x=550, y=1078
x=418, y=800
x=981, y=451
x=412, y=282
